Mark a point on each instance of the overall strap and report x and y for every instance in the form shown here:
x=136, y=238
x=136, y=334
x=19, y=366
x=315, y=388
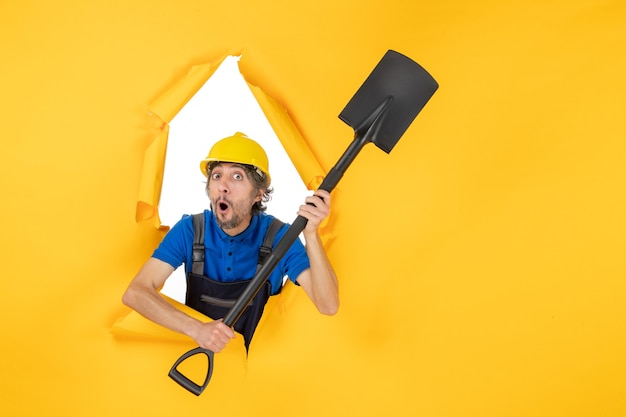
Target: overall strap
x=197, y=257
x=268, y=241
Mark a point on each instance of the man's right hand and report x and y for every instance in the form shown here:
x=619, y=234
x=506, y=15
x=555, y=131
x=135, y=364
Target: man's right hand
x=213, y=335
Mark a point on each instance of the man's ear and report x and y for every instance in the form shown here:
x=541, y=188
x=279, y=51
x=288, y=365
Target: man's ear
x=259, y=195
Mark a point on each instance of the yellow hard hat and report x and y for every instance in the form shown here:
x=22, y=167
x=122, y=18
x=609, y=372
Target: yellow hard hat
x=238, y=149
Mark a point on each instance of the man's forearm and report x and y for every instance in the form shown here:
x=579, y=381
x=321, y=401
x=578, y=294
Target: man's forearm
x=324, y=288
x=151, y=305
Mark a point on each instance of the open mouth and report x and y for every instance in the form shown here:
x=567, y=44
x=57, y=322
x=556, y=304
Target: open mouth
x=223, y=206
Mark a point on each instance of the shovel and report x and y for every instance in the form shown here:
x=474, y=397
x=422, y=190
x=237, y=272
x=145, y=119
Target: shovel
x=380, y=112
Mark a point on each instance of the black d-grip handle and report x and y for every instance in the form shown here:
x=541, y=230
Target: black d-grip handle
x=187, y=383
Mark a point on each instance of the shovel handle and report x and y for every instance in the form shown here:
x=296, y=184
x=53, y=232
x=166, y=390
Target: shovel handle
x=187, y=383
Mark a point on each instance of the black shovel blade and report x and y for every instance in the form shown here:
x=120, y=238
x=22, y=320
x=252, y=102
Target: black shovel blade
x=400, y=86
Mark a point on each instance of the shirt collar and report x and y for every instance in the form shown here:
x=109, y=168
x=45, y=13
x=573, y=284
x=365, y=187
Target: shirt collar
x=246, y=234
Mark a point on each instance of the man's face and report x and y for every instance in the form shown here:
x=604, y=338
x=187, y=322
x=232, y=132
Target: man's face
x=232, y=195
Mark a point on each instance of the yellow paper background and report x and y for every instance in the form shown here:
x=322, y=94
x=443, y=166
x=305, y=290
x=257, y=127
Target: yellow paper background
x=481, y=263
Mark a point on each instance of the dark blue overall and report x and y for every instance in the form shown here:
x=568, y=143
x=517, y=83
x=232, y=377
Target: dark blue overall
x=214, y=298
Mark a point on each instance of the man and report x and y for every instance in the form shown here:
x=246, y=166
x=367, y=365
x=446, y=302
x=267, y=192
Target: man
x=238, y=185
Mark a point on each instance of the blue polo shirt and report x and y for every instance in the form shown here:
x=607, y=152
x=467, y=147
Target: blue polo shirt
x=231, y=258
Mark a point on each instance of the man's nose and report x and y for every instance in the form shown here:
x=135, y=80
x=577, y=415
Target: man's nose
x=223, y=187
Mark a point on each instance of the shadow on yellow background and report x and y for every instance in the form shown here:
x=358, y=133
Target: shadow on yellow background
x=481, y=263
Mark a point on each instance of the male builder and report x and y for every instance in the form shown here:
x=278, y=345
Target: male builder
x=238, y=186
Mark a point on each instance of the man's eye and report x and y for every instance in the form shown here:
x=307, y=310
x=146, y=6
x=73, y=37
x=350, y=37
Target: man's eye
x=215, y=176
x=238, y=177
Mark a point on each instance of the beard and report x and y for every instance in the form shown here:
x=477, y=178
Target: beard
x=237, y=212
x=226, y=224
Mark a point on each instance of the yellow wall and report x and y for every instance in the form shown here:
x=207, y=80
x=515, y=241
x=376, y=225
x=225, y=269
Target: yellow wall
x=481, y=263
